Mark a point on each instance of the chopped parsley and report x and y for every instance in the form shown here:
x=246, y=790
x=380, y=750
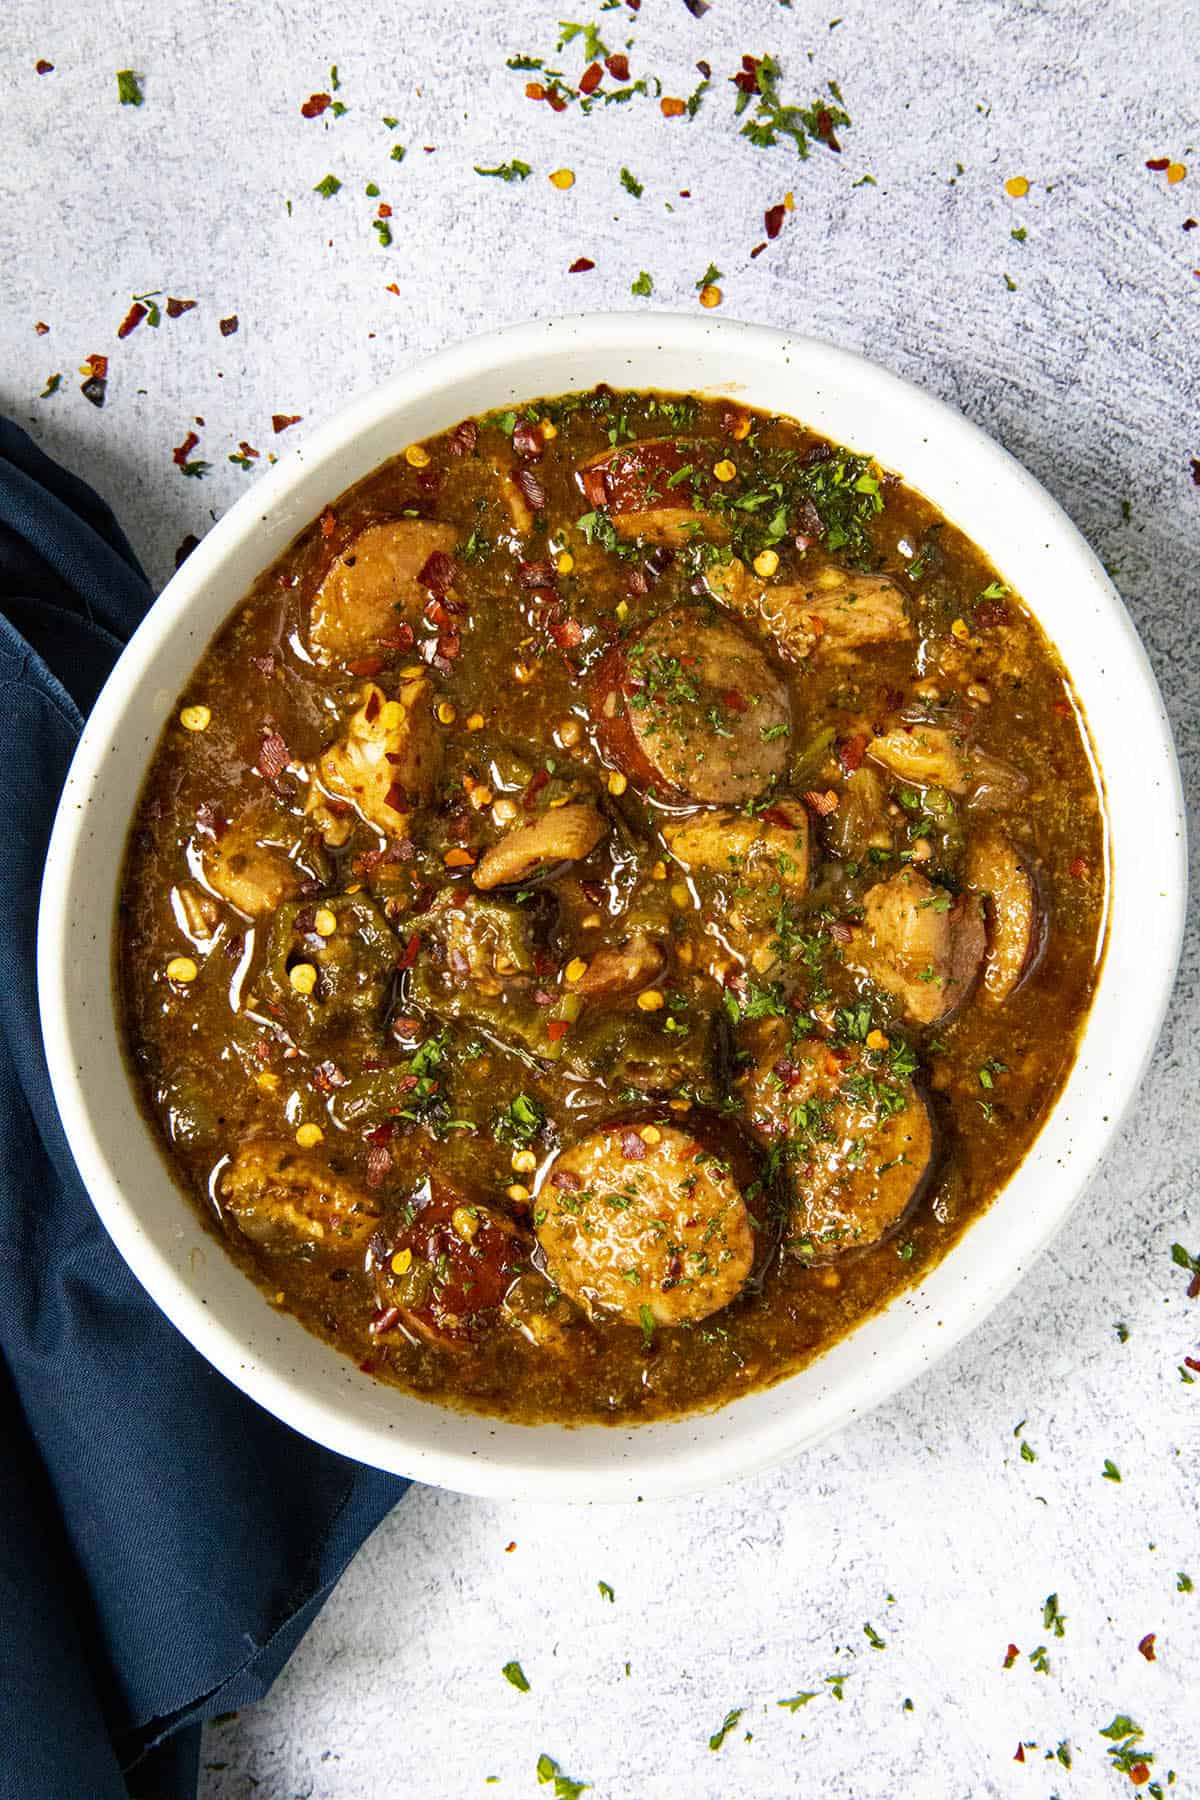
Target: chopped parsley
x=631, y=184
x=52, y=386
x=129, y=88
x=520, y=1122
x=644, y=285
x=711, y=274
x=327, y=187
x=727, y=1724
x=1110, y=1470
x=513, y=1672
x=1184, y=1583
x=1052, y=1618
x=873, y=1638
x=564, y=1787
x=516, y=170
x=1123, y=1748
x=1040, y=1660
x=646, y=1317
x=796, y=1701
x=594, y=48
x=774, y=118
x=606, y=1593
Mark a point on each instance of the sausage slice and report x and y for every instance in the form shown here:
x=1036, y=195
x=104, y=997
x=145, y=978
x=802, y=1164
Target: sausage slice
x=373, y=586
x=920, y=943
x=445, y=1275
x=857, y=1139
x=693, y=710
x=1016, y=924
x=642, y=1219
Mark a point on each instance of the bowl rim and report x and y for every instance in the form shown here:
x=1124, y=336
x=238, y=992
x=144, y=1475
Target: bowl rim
x=684, y=1465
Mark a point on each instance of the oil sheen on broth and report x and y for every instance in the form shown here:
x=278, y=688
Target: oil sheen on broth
x=613, y=904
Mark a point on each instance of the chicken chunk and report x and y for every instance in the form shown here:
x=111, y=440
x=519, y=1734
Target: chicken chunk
x=646, y=489
x=563, y=834
x=385, y=767
x=774, y=846
x=444, y=1276
x=692, y=709
x=1015, y=916
x=624, y=968
x=857, y=1139
x=643, y=1223
x=373, y=586
x=840, y=612
x=479, y=960
x=925, y=755
x=290, y=1204
x=254, y=877
x=919, y=943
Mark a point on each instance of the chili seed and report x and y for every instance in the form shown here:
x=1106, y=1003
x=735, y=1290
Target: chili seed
x=182, y=969
x=476, y=722
x=650, y=1134
x=402, y=1262
x=562, y=178
x=724, y=470
x=617, y=782
x=766, y=563
x=651, y=1000
x=303, y=977
x=1016, y=187
x=710, y=295
x=524, y=1161
x=565, y=562
x=575, y=969
x=447, y=712
x=195, y=718
x=517, y=1192
x=308, y=1136
x=324, y=922
x=416, y=456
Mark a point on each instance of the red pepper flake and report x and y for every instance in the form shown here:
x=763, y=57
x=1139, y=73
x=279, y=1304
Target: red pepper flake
x=1020, y=1756
x=567, y=634
x=773, y=219
x=264, y=664
x=281, y=421
x=273, y=757
x=99, y=367
x=581, y=265
x=328, y=1078
x=383, y=1134
x=1146, y=1647
x=566, y=1178
x=181, y=452
x=618, y=65
x=438, y=573
x=379, y=1165
x=508, y=1548
x=670, y=107
x=591, y=78
x=851, y=752
x=464, y=438
x=1191, y=1362
x=633, y=1146
x=527, y=440
x=328, y=522
x=1159, y=163
x=408, y=955
x=397, y=798
x=374, y=703
x=1010, y=1657
x=1196, y=470
x=840, y=932
x=531, y=486
x=43, y=67
x=534, y=90
x=366, y=665
x=822, y=804
x=734, y=701
x=556, y=1029
x=228, y=326
x=758, y=249
x=315, y=105
x=176, y=307
x=132, y=319
x=557, y=101
x=1078, y=868
x=1139, y=1775
x=41, y=328
x=385, y=211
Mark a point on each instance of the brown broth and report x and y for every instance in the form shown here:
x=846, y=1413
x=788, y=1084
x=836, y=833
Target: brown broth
x=509, y=655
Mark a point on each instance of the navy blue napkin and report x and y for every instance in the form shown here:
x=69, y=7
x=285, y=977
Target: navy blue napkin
x=164, y=1543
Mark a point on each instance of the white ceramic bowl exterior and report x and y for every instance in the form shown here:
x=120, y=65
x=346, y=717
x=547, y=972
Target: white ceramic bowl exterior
x=1036, y=549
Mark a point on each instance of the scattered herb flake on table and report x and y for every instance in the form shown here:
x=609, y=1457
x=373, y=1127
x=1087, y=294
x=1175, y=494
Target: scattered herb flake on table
x=1052, y=1618
x=606, y=1593
x=795, y=1701
x=129, y=88
x=327, y=187
x=774, y=118
x=1184, y=1583
x=516, y=170
x=54, y=382
x=564, y=1787
x=514, y=1673
x=1110, y=1471
x=727, y=1724
x=631, y=184
x=873, y=1638
x=644, y=285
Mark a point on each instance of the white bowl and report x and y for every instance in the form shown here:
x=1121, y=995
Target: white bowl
x=1035, y=548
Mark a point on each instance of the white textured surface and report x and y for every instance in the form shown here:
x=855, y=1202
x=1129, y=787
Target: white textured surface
x=1089, y=372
